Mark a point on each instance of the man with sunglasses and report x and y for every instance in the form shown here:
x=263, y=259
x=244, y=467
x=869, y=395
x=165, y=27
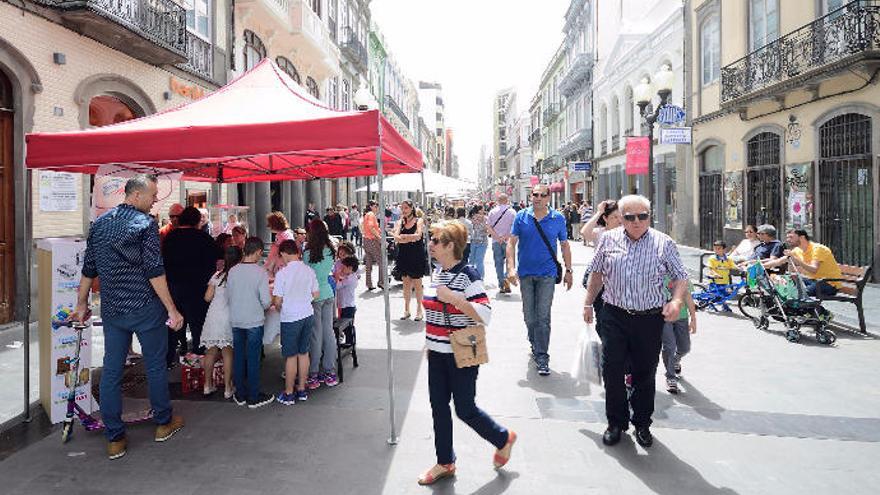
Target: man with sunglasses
x=174, y=215
x=631, y=263
x=538, y=229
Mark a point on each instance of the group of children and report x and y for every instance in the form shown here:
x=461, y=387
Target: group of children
x=240, y=296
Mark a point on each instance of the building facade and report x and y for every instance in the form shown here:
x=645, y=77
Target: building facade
x=70, y=67
x=550, y=167
x=634, y=43
x=784, y=98
x=433, y=111
x=503, y=115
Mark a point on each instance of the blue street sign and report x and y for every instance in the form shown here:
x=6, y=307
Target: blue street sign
x=671, y=114
x=582, y=167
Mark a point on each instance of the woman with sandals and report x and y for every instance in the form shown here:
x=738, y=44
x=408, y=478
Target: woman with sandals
x=412, y=259
x=456, y=300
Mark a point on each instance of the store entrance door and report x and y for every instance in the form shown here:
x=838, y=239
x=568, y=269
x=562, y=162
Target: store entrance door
x=7, y=203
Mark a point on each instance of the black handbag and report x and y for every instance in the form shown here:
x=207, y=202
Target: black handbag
x=549, y=248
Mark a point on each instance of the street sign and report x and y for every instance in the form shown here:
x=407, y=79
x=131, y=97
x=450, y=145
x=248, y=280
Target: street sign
x=582, y=167
x=676, y=135
x=671, y=114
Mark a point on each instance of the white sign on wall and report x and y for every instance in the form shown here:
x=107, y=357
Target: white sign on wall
x=675, y=135
x=58, y=191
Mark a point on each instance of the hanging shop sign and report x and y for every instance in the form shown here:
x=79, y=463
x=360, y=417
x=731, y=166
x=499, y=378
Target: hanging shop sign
x=676, y=135
x=671, y=115
x=585, y=167
x=637, y=151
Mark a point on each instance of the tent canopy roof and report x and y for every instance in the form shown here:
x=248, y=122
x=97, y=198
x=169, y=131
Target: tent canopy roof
x=262, y=126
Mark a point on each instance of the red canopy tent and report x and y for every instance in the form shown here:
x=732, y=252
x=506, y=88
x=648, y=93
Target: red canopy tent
x=261, y=127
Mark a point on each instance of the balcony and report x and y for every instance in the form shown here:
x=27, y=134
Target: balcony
x=578, y=75
x=392, y=105
x=581, y=140
x=615, y=143
x=153, y=31
x=200, y=57
x=312, y=35
x=603, y=147
x=551, y=111
x=354, y=50
x=843, y=39
x=535, y=136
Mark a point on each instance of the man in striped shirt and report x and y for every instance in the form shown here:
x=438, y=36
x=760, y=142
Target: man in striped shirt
x=631, y=262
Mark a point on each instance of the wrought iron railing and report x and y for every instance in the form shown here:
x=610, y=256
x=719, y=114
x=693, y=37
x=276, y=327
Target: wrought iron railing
x=578, y=74
x=160, y=21
x=353, y=48
x=392, y=104
x=199, y=57
x=603, y=146
x=852, y=30
x=615, y=143
x=551, y=111
x=580, y=140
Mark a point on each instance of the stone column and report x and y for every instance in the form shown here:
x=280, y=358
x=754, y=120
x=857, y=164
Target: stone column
x=298, y=200
x=262, y=206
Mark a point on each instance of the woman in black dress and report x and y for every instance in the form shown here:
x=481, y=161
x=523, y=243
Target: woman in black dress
x=412, y=259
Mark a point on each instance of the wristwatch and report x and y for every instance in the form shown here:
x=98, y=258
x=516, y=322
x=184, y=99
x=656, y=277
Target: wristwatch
x=568, y=270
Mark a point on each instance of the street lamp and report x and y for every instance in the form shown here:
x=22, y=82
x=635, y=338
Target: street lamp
x=663, y=80
x=363, y=99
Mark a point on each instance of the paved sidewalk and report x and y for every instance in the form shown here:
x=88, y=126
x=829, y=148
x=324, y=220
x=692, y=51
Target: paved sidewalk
x=758, y=415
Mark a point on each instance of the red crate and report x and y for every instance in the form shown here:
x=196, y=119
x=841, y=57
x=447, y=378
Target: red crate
x=192, y=378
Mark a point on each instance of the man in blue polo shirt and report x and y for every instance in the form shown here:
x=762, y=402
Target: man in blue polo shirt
x=537, y=268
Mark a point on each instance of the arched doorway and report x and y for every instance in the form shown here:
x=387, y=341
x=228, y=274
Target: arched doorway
x=763, y=181
x=711, y=195
x=107, y=109
x=846, y=188
x=7, y=201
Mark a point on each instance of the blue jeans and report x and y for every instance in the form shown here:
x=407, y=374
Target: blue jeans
x=821, y=287
x=478, y=255
x=537, y=299
x=499, y=253
x=247, y=349
x=149, y=325
x=447, y=381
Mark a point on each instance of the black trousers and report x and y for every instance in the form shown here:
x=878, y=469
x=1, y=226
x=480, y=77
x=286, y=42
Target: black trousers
x=637, y=340
x=194, y=309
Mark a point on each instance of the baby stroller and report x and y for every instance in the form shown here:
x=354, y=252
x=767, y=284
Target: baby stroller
x=783, y=298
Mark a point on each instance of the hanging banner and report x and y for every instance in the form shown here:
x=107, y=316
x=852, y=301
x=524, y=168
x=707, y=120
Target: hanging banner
x=109, y=189
x=533, y=180
x=637, y=151
x=733, y=200
x=799, y=197
x=59, y=191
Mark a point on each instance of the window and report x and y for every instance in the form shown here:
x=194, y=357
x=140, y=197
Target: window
x=346, y=95
x=316, y=6
x=331, y=18
x=312, y=87
x=287, y=66
x=197, y=17
x=763, y=22
x=713, y=160
x=254, y=50
x=333, y=90
x=710, y=50
x=344, y=17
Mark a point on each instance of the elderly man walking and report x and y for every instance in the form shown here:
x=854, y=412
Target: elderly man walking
x=631, y=263
x=538, y=229
x=123, y=250
x=499, y=223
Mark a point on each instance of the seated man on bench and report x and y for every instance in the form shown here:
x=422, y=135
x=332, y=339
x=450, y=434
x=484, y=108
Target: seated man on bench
x=815, y=262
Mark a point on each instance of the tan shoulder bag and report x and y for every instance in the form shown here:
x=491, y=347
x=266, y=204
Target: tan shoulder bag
x=468, y=344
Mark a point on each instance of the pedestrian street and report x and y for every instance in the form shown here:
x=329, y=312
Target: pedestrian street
x=756, y=414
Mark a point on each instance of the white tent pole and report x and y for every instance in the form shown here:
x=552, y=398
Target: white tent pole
x=383, y=274
x=424, y=196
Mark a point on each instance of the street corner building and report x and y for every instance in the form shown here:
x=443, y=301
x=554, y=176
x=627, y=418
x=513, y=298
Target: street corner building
x=785, y=104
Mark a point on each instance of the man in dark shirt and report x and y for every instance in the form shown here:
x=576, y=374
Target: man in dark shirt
x=190, y=260
x=123, y=249
x=311, y=214
x=334, y=222
x=770, y=247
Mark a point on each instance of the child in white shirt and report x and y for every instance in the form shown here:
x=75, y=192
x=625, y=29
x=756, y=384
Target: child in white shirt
x=296, y=286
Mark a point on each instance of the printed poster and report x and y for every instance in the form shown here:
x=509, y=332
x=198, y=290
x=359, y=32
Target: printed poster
x=109, y=189
x=733, y=200
x=59, y=191
x=799, y=197
x=637, y=151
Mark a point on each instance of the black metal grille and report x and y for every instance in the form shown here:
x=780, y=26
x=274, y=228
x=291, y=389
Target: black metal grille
x=711, y=209
x=846, y=182
x=763, y=150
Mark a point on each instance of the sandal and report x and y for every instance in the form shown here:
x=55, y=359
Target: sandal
x=437, y=473
x=208, y=391
x=418, y=318
x=405, y=316
x=502, y=455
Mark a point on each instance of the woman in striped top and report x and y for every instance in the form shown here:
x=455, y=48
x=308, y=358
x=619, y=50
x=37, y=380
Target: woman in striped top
x=455, y=300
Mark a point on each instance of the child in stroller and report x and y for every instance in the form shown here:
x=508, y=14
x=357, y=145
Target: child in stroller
x=783, y=298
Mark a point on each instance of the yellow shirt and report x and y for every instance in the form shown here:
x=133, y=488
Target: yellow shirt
x=828, y=267
x=721, y=268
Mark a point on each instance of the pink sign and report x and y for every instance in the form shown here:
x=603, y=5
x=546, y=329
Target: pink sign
x=534, y=180
x=637, y=151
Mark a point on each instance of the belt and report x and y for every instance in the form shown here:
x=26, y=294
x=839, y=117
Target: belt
x=638, y=312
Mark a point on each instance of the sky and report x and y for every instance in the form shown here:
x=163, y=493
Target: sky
x=474, y=48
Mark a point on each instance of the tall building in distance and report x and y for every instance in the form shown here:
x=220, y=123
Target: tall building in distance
x=504, y=113
x=432, y=111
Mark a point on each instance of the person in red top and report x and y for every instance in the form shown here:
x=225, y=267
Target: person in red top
x=174, y=215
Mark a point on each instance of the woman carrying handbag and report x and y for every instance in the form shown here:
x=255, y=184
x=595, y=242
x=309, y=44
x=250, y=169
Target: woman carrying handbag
x=456, y=305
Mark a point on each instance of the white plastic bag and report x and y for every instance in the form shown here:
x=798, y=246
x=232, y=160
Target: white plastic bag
x=272, y=326
x=588, y=357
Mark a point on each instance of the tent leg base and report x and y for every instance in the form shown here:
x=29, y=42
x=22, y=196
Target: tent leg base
x=392, y=441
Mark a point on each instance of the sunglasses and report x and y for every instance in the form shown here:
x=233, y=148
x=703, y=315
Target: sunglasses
x=632, y=218
x=436, y=241
x=540, y=195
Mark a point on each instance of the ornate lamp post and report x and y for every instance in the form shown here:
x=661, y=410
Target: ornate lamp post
x=642, y=93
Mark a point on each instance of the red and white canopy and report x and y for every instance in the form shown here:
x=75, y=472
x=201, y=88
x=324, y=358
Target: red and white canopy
x=263, y=126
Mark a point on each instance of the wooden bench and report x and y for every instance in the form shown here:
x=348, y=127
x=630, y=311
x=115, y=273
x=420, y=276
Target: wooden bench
x=853, y=287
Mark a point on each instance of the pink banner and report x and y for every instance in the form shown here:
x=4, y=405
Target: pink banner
x=637, y=152
x=534, y=180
